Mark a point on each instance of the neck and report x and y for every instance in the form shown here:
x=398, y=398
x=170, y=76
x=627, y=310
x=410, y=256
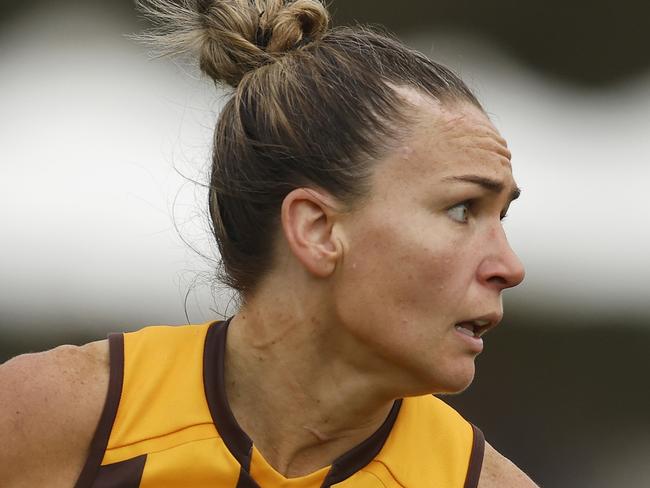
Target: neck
x=293, y=381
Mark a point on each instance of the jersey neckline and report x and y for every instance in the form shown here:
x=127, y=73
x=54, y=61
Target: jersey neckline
x=239, y=443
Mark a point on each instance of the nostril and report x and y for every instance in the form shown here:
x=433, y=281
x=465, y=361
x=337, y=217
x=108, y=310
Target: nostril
x=498, y=280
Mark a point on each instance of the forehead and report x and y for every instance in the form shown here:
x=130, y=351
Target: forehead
x=446, y=140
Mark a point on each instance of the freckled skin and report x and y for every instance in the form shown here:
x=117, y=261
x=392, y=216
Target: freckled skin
x=410, y=271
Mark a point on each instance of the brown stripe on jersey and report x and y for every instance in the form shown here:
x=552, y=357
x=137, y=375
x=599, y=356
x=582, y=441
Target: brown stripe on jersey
x=475, y=458
x=103, y=431
x=125, y=474
x=239, y=444
x=246, y=480
x=359, y=456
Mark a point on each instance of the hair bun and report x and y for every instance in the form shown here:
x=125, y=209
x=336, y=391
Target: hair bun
x=233, y=37
x=286, y=25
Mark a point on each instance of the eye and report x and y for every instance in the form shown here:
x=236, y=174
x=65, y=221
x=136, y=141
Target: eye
x=460, y=212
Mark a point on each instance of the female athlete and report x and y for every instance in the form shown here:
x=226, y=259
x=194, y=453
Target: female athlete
x=356, y=197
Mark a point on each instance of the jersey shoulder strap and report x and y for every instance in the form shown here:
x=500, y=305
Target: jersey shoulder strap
x=163, y=398
x=155, y=401
x=432, y=445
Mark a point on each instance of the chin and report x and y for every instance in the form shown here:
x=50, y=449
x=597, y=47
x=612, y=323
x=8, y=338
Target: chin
x=451, y=382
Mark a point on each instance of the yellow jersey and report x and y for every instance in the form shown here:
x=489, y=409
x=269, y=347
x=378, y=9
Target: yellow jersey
x=166, y=423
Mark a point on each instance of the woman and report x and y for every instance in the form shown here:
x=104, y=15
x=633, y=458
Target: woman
x=357, y=193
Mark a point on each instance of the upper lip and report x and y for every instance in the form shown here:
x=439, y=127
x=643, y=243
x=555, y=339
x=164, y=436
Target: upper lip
x=484, y=323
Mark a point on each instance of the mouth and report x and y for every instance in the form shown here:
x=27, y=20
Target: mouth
x=477, y=327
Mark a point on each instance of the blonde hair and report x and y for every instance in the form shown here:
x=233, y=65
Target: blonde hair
x=233, y=37
x=311, y=106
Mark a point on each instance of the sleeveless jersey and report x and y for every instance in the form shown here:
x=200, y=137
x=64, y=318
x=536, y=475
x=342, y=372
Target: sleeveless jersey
x=166, y=423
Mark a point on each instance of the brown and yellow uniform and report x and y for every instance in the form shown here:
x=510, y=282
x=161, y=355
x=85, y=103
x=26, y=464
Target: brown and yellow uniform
x=167, y=424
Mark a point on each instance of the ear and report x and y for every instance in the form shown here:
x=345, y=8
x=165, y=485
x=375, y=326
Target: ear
x=307, y=221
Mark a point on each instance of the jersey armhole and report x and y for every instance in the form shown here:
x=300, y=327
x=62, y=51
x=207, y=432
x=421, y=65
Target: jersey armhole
x=107, y=418
x=475, y=458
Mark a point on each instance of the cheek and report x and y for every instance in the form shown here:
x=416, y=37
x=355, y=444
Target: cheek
x=397, y=273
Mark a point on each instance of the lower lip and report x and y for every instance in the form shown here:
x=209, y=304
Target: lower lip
x=474, y=343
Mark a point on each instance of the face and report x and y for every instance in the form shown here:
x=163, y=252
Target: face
x=426, y=254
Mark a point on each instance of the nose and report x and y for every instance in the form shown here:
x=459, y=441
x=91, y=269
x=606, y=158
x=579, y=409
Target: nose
x=501, y=267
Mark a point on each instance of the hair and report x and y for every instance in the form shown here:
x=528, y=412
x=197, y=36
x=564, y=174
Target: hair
x=311, y=106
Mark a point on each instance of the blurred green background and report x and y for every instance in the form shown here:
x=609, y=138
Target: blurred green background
x=103, y=153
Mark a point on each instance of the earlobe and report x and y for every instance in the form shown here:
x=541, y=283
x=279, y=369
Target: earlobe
x=307, y=222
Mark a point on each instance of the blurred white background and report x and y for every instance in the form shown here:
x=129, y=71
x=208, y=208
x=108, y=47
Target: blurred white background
x=99, y=145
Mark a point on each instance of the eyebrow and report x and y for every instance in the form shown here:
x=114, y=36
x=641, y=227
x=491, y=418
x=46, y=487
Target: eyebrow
x=495, y=186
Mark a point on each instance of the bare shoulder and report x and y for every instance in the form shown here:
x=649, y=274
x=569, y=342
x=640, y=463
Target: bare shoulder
x=499, y=472
x=49, y=408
